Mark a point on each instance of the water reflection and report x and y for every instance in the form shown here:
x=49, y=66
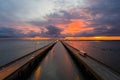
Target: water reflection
x=37, y=73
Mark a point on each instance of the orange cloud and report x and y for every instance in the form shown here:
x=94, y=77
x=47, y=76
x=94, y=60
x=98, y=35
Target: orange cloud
x=76, y=26
x=26, y=29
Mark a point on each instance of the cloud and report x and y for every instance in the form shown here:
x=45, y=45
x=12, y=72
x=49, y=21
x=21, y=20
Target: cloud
x=90, y=21
x=19, y=31
x=32, y=9
x=106, y=15
x=59, y=18
x=53, y=31
x=26, y=10
x=9, y=33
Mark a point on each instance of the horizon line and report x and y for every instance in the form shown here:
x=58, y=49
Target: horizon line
x=67, y=38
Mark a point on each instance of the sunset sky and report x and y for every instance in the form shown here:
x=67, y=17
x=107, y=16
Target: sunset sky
x=59, y=18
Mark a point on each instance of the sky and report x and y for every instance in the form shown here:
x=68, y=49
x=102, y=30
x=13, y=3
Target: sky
x=59, y=18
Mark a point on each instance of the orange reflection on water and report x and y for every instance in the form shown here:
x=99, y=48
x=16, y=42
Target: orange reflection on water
x=50, y=57
x=69, y=66
x=37, y=73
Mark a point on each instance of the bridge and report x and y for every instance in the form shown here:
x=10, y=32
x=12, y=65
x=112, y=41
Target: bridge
x=57, y=61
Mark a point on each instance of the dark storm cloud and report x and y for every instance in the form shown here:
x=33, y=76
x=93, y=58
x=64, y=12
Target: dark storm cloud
x=67, y=15
x=53, y=31
x=106, y=15
x=61, y=17
x=9, y=33
x=103, y=31
x=33, y=34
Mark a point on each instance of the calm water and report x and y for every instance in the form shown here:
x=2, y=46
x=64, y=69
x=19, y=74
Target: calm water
x=107, y=52
x=13, y=49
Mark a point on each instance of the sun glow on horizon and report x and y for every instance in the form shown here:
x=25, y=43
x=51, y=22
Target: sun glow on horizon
x=36, y=38
x=94, y=38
